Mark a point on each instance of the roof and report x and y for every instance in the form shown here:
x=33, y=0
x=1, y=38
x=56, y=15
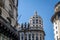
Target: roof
x=57, y=13
x=57, y=4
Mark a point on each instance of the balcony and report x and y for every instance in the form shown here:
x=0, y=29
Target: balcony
x=7, y=29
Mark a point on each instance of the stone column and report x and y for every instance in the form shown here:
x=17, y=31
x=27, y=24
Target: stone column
x=38, y=36
x=31, y=36
x=27, y=36
x=35, y=36
x=20, y=36
x=24, y=36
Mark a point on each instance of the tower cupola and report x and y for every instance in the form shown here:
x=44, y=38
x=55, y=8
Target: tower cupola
x=36, y=21
x=57, y=7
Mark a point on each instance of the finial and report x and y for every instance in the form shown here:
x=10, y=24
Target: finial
x=35, y=13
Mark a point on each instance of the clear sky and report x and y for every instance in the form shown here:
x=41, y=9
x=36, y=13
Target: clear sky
x=45, y=9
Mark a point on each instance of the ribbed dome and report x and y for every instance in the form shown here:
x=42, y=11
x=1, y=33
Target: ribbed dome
x=36, y=21
x=36, y=16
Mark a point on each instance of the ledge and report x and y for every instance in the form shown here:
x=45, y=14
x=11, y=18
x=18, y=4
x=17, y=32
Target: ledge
x=12, y=32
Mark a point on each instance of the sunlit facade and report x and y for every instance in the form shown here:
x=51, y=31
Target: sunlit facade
x=8, y=20
x=56, y=22
x=32, y=30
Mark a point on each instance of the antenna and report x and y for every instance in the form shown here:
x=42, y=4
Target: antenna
x=19, y=17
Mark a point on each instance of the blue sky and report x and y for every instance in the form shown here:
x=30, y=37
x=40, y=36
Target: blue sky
x=45, y=9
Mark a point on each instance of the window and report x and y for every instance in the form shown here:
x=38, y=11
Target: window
x=33, y=17
x=40, y=37
x=56, y=32
x=36, y=25
x=59, y=16
x=36, y=36
x=36, y=20
x=22, y=36
x=29, y=36
x=32, y=36
x=56, y=27
x=36, y=17
x=25, y=36
x=57, y=37
x=39, y=21
x=33, y=21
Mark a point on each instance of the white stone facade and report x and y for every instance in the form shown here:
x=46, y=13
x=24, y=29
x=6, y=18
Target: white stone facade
x=33, y=31
x=9, y=10
x=56, y=22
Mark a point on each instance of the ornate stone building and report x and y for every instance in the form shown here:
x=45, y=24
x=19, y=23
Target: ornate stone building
x=8, y=20
x=33, y=30
x=56, y=21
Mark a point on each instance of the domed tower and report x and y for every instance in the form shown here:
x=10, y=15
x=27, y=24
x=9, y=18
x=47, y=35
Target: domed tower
x=36, y=22
x=33, y=30
x=56, y=21
x=36, y=25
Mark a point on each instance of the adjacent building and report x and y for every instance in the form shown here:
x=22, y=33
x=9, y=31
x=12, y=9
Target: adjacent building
x=8, y=20
x=56, y=21
x=32, y=30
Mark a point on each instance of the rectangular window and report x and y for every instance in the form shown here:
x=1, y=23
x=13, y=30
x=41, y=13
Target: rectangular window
x=29, y=36
x=33, y=21
x=32, y=36
x=36, y=21
x=25, y=36
x=36, y=36
x=57, y=37
x=39, y=21
x=56, y=32
x=40, y=37
x=22, y=36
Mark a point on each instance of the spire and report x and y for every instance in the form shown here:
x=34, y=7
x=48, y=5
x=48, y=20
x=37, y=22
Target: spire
x=35, y=13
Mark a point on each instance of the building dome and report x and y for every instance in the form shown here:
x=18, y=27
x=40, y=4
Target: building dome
x=57, y=7
x=36, y=21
